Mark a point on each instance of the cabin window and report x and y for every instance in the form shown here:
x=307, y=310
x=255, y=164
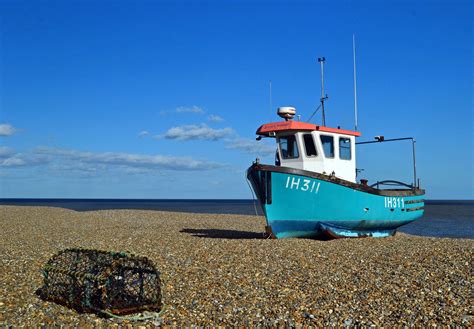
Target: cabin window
x=309, y=146
x=288, y=147
x=345, y=148
x=328, y=145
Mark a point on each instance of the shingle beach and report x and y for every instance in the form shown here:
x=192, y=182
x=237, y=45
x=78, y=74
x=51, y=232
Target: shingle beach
x=218, y=270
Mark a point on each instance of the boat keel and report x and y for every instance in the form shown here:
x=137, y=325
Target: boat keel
x=337, y=232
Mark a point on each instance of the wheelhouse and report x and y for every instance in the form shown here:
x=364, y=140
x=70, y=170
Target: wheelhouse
x=315, y=148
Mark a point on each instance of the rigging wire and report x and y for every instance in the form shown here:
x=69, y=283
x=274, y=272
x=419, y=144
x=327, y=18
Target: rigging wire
x=315, y=111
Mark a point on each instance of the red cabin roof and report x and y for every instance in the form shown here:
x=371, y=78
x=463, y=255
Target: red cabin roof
x=300, y=126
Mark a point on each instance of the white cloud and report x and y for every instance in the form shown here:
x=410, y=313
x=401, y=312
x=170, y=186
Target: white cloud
x=77, y=169
x=192, y=109
x=185, y=109
x=251, y=146
x=13, y=162
x=215, y=118
x=9, y=158
x=72, y=161
x=5, y=152
x=7, y=129
x=138, y=171
x=127, y=160
x=143, y=133
x=197, y=132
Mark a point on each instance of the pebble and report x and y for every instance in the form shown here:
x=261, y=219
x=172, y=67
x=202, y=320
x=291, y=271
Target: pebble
x=217, y=270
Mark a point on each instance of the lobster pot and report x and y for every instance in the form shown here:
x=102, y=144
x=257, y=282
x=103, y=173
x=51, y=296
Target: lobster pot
x=102, y=282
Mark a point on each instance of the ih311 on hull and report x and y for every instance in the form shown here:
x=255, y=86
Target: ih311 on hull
x=312, y=189
x=300, y=203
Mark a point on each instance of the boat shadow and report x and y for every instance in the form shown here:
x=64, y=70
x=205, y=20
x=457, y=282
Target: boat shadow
x=223, y=234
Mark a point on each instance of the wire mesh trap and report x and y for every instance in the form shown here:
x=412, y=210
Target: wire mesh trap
x=101, y=282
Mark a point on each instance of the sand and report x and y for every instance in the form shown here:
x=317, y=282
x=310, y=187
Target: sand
x=218, y=270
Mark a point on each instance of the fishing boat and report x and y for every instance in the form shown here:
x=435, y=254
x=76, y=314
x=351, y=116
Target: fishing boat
x=312, y=190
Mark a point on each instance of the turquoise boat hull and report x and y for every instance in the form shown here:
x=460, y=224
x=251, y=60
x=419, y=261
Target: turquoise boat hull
x=299, y=203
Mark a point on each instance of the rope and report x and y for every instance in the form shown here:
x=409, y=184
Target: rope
x=253, y=196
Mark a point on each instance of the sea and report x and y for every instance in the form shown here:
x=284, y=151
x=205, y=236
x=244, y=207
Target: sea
x=442, y=218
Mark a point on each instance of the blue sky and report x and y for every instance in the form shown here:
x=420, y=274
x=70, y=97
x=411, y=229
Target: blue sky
x=151, y=99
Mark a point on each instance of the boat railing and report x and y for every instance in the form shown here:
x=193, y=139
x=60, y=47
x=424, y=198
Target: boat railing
x=392, y=183
x=381, y=139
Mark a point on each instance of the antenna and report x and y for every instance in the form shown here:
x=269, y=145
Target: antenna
x=355, y=80
x=321, y=60
x=270, y=85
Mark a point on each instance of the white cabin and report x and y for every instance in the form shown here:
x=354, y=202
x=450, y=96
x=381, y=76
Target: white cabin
x=311, y=147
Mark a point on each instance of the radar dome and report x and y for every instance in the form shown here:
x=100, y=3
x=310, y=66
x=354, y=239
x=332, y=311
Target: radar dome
x=286, y=112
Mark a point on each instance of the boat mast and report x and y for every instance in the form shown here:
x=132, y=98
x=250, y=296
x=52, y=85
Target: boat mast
x=321, y=60
x=355, y=81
